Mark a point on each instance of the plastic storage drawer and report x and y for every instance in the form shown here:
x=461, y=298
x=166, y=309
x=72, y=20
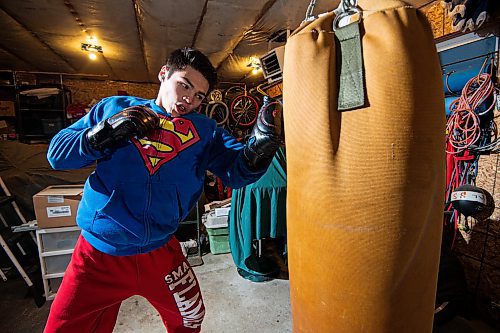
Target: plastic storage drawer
x=59, y=241
x=57, y=264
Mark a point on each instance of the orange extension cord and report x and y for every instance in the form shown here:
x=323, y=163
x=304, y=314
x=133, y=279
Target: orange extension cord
x=462, y=131
x=462, y=127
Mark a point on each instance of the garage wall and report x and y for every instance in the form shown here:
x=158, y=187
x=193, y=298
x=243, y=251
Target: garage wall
x=84, y=91
x=480, y=257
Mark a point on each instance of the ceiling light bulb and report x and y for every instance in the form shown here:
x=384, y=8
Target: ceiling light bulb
x=92, y=40
x=255, y=71
x=92, y=56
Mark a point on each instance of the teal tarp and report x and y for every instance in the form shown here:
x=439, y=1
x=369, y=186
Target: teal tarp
x=258, y=211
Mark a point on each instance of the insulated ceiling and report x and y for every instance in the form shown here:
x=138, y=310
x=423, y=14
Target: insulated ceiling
x=137, y=35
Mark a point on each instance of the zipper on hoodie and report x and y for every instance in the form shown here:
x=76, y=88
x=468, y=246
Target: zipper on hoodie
x=146, y=219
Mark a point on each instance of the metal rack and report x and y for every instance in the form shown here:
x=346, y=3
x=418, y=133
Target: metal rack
x=195, y=259
x=40, y=119
x=7, y=104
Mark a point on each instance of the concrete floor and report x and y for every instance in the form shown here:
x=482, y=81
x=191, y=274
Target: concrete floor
x=232, y=303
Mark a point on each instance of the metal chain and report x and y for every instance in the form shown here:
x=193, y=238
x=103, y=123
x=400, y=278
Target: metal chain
x=310, y=10
x=345, y=7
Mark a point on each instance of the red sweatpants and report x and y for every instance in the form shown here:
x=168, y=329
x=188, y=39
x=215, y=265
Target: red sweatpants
x=96, y=283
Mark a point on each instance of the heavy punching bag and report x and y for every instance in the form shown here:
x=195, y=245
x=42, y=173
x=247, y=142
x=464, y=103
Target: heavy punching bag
x=365, y=184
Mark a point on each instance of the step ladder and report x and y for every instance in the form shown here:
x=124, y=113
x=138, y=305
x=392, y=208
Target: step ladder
x=17, y=246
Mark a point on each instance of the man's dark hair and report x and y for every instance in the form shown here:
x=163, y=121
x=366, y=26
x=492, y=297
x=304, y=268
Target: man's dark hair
x=181, y=58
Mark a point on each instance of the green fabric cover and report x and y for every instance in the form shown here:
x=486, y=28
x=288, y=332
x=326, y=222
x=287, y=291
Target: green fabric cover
x=258, y=211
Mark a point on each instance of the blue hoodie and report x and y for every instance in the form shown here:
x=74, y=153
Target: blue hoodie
x=134, y=200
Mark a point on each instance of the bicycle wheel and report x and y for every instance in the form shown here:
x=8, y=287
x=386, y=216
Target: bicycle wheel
x=207, y=109
x=274, y=107
x=244, y=110
x=258, y=98
x=232, y=92
x=219, y=112
x=202, y=107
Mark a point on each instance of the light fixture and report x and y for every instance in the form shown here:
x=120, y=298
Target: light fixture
x=255, y=65
x=92, y=49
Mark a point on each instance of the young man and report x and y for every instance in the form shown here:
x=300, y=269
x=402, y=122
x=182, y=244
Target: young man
x=151, y=160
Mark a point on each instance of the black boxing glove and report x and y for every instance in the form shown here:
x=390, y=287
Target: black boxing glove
x=265, y=138
x=115, y=131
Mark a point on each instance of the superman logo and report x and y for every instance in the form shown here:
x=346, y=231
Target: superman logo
x=173, y=136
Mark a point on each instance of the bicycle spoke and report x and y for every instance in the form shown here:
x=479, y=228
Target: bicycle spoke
x=244, y=110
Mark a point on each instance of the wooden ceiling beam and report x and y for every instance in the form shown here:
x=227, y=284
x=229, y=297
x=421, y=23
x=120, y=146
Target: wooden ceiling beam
x=141, y=36
x=200, y=21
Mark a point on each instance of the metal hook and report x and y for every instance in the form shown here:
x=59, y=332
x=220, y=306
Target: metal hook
x=346, y=8
x=350, y=12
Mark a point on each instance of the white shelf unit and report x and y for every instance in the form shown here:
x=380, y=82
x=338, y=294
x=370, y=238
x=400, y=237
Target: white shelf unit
x=55, y=247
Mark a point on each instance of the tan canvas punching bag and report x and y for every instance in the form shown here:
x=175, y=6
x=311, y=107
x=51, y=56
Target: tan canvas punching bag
x=365, y=186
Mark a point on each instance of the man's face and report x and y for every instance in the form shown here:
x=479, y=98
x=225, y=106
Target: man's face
x=182, y=92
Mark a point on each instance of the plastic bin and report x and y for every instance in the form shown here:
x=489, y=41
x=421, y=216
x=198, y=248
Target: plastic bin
x=59, y=240
x=57, y=264
x=54, y=284
x=219, y=240
x=212, y=221
x=51, y=125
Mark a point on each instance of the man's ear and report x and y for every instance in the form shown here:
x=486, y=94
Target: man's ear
x=162, y=73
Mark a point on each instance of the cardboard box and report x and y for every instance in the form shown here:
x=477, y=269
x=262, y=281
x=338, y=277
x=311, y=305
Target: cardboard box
x=218, y=204
x=7, y=108
x=56, y=206
x=6, y=127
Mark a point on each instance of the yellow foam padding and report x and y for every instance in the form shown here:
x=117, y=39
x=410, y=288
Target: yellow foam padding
x=365, y=187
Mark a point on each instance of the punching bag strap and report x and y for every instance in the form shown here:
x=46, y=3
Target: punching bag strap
x=351, y=79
